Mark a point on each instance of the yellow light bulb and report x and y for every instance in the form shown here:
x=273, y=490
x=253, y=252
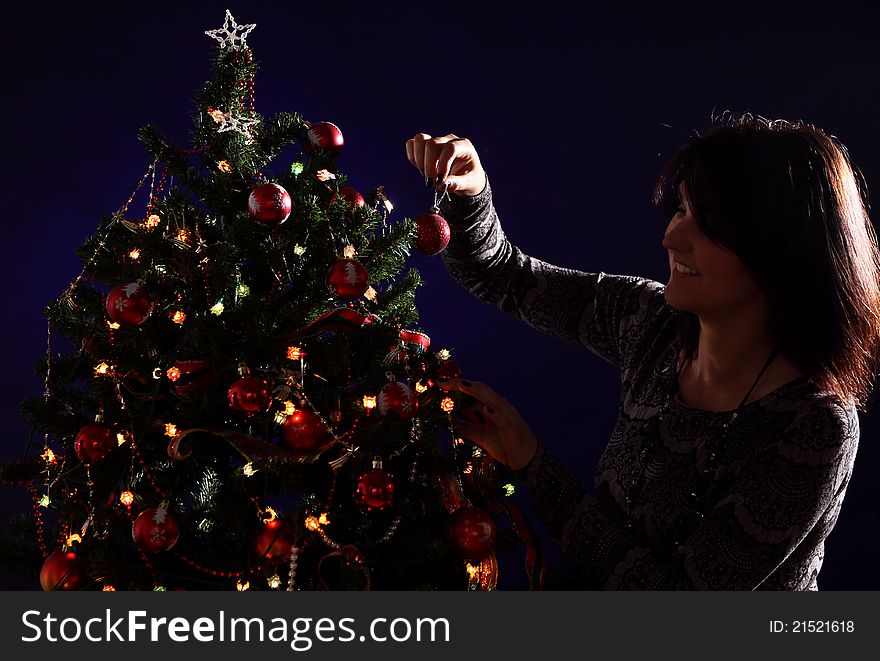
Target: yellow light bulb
x=241, y=587
x=109, y=588
x=224, y=167
x=248, y=469
x=135, y=254
x=369, y=402
x=312, y=523
x=217, y=308
x=44, y=501
x=49, y=456
x=126, y=498
x=170, y=429
x=421, y=387
x=275, y=582
x=120, y=439
x=112, y=325
x=289, y=408
x=102, y=369
x=348, y=252
x=295, y=353
x=447, y=404
x=153, y=221
x=73, y=538
x=173, y=374
x=178, y=317
x=269, y=515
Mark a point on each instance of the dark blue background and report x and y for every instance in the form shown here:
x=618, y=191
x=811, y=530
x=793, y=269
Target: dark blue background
x=572, y=110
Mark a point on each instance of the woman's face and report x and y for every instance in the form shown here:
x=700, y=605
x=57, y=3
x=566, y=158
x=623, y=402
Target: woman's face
x=722, y=284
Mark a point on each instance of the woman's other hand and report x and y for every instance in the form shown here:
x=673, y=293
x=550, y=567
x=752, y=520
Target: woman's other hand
x=498, y=429
x=447, y=160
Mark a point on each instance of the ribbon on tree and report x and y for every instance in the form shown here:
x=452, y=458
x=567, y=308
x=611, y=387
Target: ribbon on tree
x=248, y=447
x=536, y=568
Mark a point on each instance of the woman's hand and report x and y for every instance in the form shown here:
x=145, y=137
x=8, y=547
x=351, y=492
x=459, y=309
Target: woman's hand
x=448, y=160
x=503, y=433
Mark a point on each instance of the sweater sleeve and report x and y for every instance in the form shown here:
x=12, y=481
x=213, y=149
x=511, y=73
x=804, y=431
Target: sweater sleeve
x=607, y=314
x=764, y=509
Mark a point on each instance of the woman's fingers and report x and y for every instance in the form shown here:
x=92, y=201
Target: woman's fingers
x=483, y=435
x=481, y=392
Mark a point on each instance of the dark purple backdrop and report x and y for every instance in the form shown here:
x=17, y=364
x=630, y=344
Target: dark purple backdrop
x=572, y=114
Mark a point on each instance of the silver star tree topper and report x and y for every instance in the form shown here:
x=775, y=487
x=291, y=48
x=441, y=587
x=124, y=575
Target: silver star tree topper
x=234, y=39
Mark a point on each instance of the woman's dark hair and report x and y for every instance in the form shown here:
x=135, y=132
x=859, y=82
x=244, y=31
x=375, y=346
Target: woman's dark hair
x=785, y=198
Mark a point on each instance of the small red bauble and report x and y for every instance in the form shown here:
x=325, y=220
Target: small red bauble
x=433, y=233
x=94, y=442
x=62, y=571
x=326, y=136
x=274, y=543
x=471, y=531
x=448, y=369
x=396, y=397
x=269, y=204
x=348, y=279
x=155, y=530
x=250, y=394
x=350, y=195
x=375, y=490
x=305, y=433
x=129, y=305
x=193, y=376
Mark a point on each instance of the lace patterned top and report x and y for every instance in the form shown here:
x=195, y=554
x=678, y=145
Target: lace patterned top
x=781, y=476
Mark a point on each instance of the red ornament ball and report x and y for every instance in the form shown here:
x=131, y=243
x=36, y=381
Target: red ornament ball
x=129, y=305
x=326, y=136
x=397, y=398
x=250, y=394
x=348, y=279
x=274, y=542
x=448, y=369
x=94, y=442
x=375, y=490
x=350, y=195
x=305, y=433
x=472, y=533
x=155, y=530
x=269, y=204
x=62, y=571
x=433, y=233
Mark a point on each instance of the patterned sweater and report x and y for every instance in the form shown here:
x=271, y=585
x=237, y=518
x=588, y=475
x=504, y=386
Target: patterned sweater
x=781, y=476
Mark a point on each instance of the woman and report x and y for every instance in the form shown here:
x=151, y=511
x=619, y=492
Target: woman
x=741, y=377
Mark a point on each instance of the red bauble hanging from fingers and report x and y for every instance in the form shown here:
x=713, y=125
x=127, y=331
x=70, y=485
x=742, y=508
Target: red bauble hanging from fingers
x=62, y=571
x=471, y=532
x=396, y=398
x=433, y=233
x=94, y=442
x=155, y=530
x=348, y=279
x=269, y=204
x=274, y=543
x=305, y=433
x=326, y=136
x=128, y=304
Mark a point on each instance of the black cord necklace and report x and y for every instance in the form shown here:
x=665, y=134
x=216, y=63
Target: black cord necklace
x=700, y=494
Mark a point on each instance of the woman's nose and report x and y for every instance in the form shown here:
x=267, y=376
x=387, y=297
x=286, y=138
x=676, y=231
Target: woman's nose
x=675, y=237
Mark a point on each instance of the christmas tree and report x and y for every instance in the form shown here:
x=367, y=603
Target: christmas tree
x=252, y=405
